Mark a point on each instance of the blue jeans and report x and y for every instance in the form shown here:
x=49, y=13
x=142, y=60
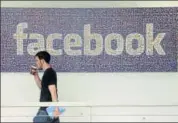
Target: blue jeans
x=42, y=117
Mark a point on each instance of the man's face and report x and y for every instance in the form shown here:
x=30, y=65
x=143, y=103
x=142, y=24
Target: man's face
x=39, y=63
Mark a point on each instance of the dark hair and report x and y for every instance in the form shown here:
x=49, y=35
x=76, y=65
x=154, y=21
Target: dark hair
x=44, y=55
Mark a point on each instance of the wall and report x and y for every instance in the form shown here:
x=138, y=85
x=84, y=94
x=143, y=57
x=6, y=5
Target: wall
x=114, y=97
x=111, y=96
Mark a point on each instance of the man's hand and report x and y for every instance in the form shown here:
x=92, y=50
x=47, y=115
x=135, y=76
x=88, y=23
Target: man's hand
x=34, y=72
x=56, y=112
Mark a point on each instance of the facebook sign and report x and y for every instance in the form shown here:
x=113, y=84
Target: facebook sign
x=91, y=39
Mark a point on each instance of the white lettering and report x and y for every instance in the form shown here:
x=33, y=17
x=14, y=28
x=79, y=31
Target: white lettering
x=73, y=41
x=151, y=43
x=49, y=42
x=68, y=44
x=20, y=36
x=87, y=42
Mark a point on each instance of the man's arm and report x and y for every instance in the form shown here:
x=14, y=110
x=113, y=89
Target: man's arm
x=37, y=80
x=53, y=91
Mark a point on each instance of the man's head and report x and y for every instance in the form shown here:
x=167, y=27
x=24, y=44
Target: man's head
x=42, y=58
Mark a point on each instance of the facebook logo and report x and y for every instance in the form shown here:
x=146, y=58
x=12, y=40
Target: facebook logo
x=90, y=40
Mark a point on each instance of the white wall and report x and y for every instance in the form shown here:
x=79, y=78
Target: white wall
x=128, y=96
x=112, y=96
x=112, y=88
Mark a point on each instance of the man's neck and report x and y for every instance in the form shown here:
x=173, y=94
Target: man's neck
x=46, y=66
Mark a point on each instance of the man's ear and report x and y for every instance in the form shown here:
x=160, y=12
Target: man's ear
x=42, y=61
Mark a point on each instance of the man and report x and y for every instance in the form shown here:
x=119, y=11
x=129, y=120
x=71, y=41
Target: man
x=48, y=86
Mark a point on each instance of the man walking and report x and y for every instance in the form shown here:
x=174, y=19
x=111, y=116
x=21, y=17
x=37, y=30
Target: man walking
x=48, y=86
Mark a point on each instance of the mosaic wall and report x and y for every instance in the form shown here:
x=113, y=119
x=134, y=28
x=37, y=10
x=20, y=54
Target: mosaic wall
x=91, y=40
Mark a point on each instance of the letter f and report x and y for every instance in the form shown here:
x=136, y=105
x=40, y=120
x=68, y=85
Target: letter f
x=20, y=36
